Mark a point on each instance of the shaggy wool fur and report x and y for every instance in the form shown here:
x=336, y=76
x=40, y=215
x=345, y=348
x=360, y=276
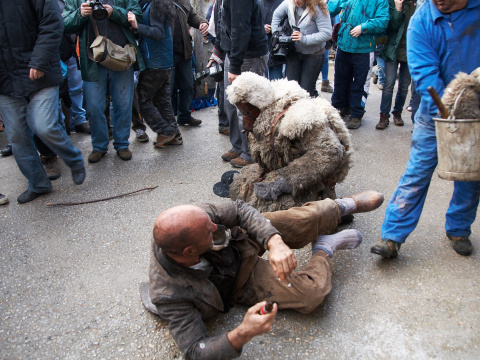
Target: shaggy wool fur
x=466, y=88
x=311, y=149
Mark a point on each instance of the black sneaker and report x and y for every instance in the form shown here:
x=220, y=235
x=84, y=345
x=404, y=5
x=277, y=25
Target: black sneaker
x=28, y=196
x=7, y=150
x=192, y=122
x=141, y=135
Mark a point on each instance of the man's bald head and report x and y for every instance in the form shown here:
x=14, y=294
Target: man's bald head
x=179, y=227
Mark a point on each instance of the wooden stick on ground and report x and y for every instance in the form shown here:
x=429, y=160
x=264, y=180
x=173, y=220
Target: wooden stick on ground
x=98, y=200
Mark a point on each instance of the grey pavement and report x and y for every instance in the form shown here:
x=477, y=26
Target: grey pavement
x=69, y=275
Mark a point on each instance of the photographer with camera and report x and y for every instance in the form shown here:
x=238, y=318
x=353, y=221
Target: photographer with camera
x=311, y=28
x=110, y=17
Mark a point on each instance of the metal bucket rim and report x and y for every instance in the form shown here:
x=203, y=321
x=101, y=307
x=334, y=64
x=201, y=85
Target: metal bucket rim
x=452, y=120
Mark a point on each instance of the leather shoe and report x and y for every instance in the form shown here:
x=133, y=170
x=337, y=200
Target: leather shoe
x=28, y=196
x=367, y=201
x=230, y=155
x=95, y=156
x=386, y=248
x=461, y=244
x=78, y=176
x=240, y=162
x=124, y=154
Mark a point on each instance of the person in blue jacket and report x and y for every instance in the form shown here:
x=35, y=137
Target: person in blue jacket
x=156, y=47
x=442, y=40
x=362, y=21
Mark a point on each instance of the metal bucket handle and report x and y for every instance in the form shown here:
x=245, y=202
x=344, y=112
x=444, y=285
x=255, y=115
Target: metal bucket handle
x=452, y=126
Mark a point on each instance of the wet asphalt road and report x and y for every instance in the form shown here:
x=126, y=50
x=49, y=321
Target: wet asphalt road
x=69, y=275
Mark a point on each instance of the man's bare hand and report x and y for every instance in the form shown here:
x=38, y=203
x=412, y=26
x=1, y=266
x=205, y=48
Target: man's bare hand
x=36, y=74
x=132, y=19
x=356, y=31
x=268, y=28
x=399, y=5
x=85, y=9
x=232, y=77
x=109, y=9
x=282, y=259
x=203, y=29
x=253, y=324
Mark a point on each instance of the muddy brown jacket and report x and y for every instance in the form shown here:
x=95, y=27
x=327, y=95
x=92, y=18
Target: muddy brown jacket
x=186, y=297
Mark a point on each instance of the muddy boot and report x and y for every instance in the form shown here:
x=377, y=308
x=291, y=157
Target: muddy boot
x=52, y=166
x=461, y=244
x=386, y=248
x=383, y=123
x=397, y=119
x=326, y=87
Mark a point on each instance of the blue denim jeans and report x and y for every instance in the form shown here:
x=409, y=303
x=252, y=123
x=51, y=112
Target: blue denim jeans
x=275, y=72
x=238, y=139
x=119, y=84
x=75, y=90
x=182, y=88
x=325, y=65
x=405, y=206
x=37, y=114
x=403, y=84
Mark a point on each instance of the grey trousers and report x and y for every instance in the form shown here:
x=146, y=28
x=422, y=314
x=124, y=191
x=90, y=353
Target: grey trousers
x=238, y=139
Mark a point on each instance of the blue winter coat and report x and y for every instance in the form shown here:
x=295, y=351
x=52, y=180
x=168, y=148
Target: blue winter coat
x=373, y=17
x=156, y=42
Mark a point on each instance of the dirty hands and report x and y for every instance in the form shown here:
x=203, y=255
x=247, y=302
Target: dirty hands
x=272, y=190
x=356, y=31
x=132, y=19
x=36, y=74
x=282, y=259
x=253, y=324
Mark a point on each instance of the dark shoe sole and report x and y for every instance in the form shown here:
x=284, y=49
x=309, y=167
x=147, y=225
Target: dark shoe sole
x=30, y=197
x=383, y=253
x=95, y=160
x=462, y=246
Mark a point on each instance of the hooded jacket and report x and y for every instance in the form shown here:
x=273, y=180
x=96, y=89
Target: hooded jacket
x=373, y=17
x=156, y=41
x=30, y=35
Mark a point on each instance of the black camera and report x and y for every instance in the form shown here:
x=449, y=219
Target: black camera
x=215, y=71
x=99, y=13
x=282, y=43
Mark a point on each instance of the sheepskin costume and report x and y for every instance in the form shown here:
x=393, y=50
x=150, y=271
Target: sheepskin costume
x=467, y=89
x=311, y=145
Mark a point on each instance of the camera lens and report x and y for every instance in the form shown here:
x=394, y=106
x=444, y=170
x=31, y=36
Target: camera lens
x=99, y=12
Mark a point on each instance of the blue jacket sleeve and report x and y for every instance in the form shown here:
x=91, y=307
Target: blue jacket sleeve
x=424, y=63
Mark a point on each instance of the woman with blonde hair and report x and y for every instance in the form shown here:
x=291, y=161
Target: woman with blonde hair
x=310, y=22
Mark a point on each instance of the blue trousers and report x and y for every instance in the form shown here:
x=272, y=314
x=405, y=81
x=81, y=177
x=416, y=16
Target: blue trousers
x=403, y=84
x=75, y=90
x=351, y=72
x=238, y=139
x=325, y=65
x=120, y=87
x=405, y=206
x=37, y=114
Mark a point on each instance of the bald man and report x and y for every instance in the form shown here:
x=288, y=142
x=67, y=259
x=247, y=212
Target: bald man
x=206, y=258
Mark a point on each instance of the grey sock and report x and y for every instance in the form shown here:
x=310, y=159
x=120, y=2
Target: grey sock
x=347, y=205
x=346, y=239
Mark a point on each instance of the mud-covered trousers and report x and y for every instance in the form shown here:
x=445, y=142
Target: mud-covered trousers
x=304, y=289
x=405, y=206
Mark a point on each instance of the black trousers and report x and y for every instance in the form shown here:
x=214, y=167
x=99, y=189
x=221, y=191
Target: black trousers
x=153, y=91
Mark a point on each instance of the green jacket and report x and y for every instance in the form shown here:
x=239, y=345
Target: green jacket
x=75, y=23
x=396, y=46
